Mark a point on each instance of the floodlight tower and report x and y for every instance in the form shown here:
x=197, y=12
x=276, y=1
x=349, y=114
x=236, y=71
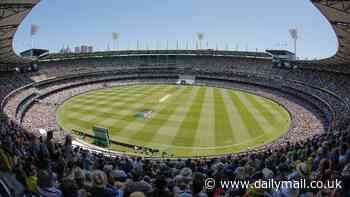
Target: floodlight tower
x=115, y=37
x=294, y=34
x=200, y=37
x=33, y=31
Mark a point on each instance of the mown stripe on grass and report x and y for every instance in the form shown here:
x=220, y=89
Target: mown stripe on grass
x=168, y=131
x=261, y=108
x=279, y=112
x=146, y=133
x=186, y=133
x=152, y=102
x=75, y=117
x=254, y=128
x=270, y=117
x=223, y=130
x=117, y=89
x=137, y=123
x=239, y=129
x=92, y=99
x=118, y=110
x=205, y=134
x=260, y=118
x=65, y=111
x=110, y=100
x=111, y=91
x=111, y=110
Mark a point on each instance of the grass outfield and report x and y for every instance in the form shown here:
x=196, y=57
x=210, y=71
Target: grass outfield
x=183, y=121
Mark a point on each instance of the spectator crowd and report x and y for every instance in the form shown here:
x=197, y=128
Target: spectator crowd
x=32, y=165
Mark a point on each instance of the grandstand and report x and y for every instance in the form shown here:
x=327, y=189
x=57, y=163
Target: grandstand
x=39, y=156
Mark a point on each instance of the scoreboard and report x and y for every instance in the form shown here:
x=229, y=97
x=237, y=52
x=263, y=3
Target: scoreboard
x=101, y=137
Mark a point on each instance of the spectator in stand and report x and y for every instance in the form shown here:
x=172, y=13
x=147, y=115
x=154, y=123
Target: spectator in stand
x=33, y=163
x=160, y=188
x=137, y=184
x=99, y=187
x=46, y=185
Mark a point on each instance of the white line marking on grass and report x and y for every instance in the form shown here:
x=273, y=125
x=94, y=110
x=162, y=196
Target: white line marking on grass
x=164, y=98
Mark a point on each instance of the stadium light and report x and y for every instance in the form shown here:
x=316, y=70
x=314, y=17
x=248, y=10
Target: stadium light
x=200, y=37
x=294, y=34
x=33, y=31
x=115, y=37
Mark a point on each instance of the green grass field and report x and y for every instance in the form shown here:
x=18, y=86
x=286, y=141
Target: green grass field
x=184, y=121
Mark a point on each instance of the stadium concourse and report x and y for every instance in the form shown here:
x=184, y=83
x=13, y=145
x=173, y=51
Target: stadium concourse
x=315, y=93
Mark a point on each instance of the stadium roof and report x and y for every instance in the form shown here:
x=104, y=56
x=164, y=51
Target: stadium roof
x=13, y=12
x=280, y=52
x=121, y=53
x=337, y=13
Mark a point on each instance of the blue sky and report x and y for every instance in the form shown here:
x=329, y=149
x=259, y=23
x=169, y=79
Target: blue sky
x=244, y=24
